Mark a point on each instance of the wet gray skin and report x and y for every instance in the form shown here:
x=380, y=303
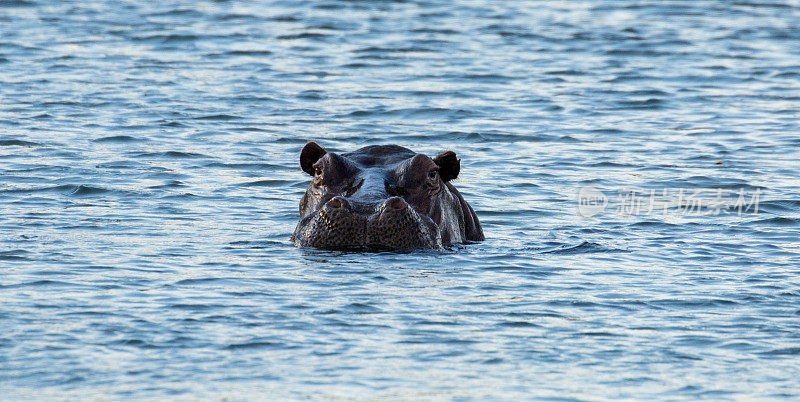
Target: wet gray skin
x=382, y=197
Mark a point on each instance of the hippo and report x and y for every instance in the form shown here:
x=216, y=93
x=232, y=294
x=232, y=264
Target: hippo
x=383, y=197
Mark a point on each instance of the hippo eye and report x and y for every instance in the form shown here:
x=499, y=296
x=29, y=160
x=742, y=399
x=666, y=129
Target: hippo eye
x=432, y=174
x=318, y=181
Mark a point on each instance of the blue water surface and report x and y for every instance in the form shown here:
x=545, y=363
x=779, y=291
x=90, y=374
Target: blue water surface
x=150, y=184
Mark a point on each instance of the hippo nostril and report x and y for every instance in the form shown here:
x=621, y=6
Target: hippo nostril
x=336, y=203
x=396, y=203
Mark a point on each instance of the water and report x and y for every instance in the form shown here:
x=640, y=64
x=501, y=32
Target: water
x=150, y=183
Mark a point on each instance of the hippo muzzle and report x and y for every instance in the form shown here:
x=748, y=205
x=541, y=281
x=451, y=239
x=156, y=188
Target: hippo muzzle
x=382, y=197
x=393, y=225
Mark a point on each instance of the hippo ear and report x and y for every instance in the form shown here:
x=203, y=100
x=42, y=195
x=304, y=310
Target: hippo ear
x=310, y=155
x=449, y=165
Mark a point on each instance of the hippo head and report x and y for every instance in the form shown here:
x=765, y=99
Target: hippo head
x=382, y=197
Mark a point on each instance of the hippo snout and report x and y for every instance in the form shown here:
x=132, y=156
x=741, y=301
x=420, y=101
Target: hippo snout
x=390, y=224
x=334, y=226
x=397, y=226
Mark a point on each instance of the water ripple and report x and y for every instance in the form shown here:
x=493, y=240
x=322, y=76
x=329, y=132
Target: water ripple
x=150, y=184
